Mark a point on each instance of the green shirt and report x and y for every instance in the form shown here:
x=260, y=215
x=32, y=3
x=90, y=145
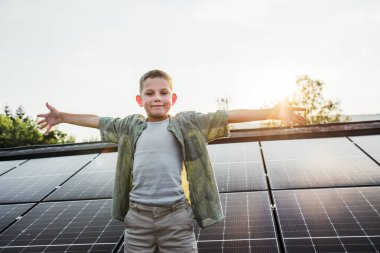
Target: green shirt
x=193, y=131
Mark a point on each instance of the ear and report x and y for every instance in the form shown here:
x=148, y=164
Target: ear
x=139, y=100
x=174, y=98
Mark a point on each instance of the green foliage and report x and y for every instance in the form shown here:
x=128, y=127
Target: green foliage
x=319, y=110
x=20, y=130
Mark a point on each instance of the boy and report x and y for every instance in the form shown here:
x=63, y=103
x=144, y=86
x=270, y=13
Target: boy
x=152, y=153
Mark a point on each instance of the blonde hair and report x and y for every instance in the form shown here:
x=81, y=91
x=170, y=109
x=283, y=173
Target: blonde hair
x=153, y=74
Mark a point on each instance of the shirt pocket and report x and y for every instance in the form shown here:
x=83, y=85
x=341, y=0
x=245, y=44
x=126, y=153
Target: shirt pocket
x=193, y=148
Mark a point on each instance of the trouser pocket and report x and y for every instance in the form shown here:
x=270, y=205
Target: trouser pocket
x=189, y=214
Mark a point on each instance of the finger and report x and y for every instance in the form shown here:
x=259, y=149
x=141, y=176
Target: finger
x=43, y=126
x=300, y=122
x=42, y=115
x=48, y=129
x=299, y=119
x=298, y=109
x=51, y=108
x=41, y=121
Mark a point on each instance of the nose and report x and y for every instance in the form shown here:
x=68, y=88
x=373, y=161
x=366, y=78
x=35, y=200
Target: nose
x=157, y=97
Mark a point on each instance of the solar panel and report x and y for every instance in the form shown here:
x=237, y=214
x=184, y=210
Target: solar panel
x=234, y=152
x=330, y=220
x=96, y=248
x=9, y=213
x=96, y=180
x=311, y=220
x=238, y=166
x=7, y=165
x=75, y=226
x=247, y=246
x=34, y=179
x=370, y=144
x=248, y=225
x=311, y=163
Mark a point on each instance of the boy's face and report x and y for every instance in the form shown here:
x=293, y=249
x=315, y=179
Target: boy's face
x=157, y=98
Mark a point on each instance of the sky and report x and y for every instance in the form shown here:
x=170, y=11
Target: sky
x=86, y=56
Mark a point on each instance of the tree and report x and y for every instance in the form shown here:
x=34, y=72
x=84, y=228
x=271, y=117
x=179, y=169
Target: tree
x=20, y=130
x=20, y=113
x=309, y=95
x=223, y=103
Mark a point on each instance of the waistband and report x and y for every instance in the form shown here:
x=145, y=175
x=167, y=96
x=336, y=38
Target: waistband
x=149, y=208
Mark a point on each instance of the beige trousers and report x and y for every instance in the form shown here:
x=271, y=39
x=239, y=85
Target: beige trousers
x=159, y=229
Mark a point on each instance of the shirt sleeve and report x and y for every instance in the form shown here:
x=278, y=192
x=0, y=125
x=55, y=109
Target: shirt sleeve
x=111, y=128
x=213, y=125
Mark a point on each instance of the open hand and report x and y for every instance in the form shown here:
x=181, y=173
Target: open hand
x=51, y=118
x=286, y=113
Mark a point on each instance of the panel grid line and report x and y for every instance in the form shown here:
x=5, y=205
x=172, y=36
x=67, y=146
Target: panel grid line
x=356, y=220
x=30, y=225
x=303, y=218
x=369, y=203
x=330, y=220
x=102, y=232
x=68, y=224
x=328, y=217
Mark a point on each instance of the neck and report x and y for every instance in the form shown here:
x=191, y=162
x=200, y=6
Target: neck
x=152, y=119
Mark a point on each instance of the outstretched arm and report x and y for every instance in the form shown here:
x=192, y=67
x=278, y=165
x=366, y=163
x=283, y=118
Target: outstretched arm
x=55, y=117
x=281, y=111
